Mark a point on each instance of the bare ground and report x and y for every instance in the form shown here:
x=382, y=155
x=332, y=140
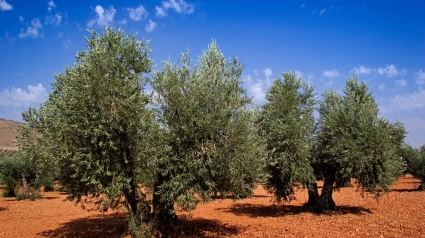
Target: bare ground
x=401, y=213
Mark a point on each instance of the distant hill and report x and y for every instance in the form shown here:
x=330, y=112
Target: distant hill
x=7, y=135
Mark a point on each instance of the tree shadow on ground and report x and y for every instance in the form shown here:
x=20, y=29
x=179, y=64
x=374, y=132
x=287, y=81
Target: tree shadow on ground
x=3, y=209
x=114, y=226
x=200, y=227
x=402, y=190
x=49, y=197
x=111, y=225
x=257, y=210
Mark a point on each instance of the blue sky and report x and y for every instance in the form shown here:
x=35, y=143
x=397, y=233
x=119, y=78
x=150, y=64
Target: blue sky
x=323, y=41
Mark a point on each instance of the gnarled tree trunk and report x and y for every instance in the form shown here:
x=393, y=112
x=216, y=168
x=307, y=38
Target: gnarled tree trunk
x=164, y=223
x=326, y=200
x=26, y=187
x=313, y=197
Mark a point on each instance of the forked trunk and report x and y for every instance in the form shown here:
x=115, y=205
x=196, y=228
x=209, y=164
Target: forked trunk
x=313, y=197
x=164, y=222
x=326, y=200
x=26, y=187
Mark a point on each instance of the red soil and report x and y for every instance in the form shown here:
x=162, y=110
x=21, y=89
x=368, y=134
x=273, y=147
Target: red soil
x=401, y=213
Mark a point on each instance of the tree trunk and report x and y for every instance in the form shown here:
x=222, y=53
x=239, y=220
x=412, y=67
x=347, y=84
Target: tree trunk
x=26, y=187
x=164, y=222
x=326, y=200
x=138, y=204
x=139, y=208
x=313, y=197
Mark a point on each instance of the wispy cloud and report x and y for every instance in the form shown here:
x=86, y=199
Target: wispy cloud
x=302, y=5
x=4, y=6
x=420, y=77
x=33, y=30
x=67, y=43
x=401, y=83
x=409, y=101
x=50, y=5
x=150, y=26
x=180, y=6
x=53, y=19
x=257, y=88
x=21, y=19
x=138, y=13
x=331, y=73
x=382, y=87
x=103, y=18
x=322, y=11
x=389, y=70
x=268, y=72
x=361, y=70
x=160, y=12
x=17, y=97
x=122, y=21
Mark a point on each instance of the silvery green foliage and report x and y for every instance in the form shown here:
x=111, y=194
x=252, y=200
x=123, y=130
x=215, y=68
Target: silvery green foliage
x=416, y=165
x=354, y=142
x=287, y=124
x=209, y=129
x=95, y=123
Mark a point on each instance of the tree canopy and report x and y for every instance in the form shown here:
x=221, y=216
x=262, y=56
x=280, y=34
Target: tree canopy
x=287, y=124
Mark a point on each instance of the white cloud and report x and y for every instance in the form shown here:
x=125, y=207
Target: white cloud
x=298, y=74
x=53, y=19
x=32, y=31
x=322, y=11
x=302, y=5
x=257, y=88
x=330, y=73
x=17, y=97
x=21, y=19
x=4, y=6
x=330, y=83
x=7, y=38
x=389, y=70
x=138, y=13
x=150, y=26
x=104, y=17
x=160, y=12
x=79, y=27
x=382, y=87
x=50, y=5
x=409, y=101
x=420, y=77
x=60, y=35
x=67, y=43
x=361, y=70
x=401, y=82
x=180, y=6
x=268, y=72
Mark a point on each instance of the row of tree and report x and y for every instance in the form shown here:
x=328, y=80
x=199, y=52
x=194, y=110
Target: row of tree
x=197, y=134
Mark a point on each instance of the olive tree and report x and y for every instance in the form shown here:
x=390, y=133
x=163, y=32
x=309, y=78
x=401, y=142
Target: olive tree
x=287, y=124
x=209, y=134
x=348, y=141
x=354, y=142
x=96, y=123
x=416, y=164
